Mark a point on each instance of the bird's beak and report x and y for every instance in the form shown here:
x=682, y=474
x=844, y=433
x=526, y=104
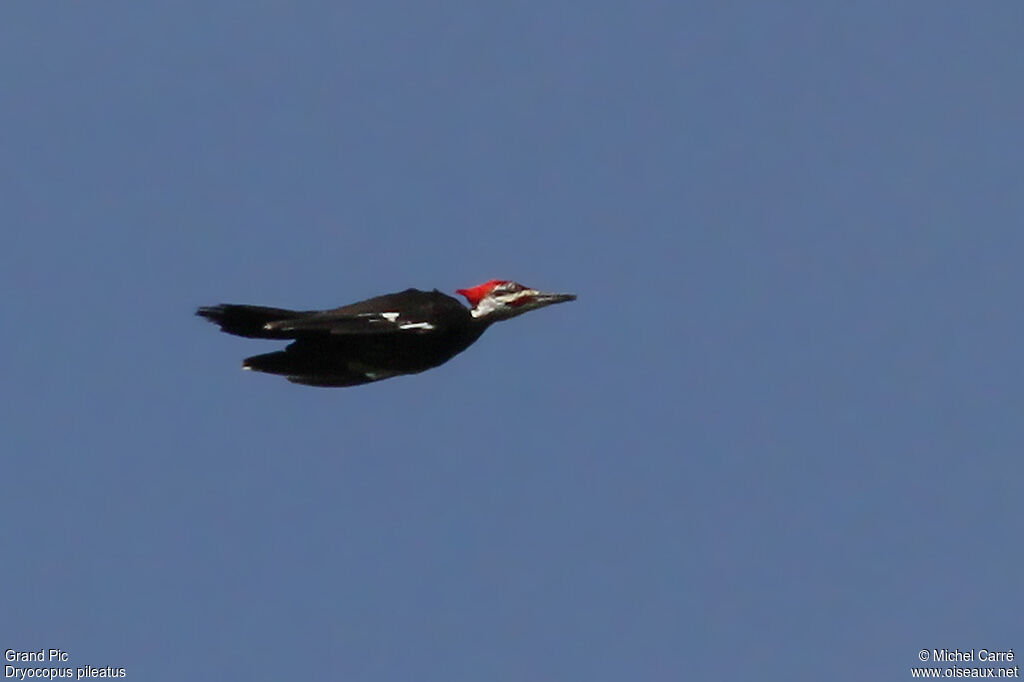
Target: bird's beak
x=541, y=298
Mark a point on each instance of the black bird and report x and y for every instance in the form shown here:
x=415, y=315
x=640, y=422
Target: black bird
x=379, y=338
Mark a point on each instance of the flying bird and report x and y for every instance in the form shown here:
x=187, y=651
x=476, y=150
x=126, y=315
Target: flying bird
x=379, y=338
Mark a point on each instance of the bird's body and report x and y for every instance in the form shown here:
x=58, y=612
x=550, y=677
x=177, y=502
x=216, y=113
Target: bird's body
x=385, y=336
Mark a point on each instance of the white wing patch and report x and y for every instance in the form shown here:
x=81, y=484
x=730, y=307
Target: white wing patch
x=417, y=325
x=376, y=317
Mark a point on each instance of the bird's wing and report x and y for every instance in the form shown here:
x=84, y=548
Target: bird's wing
x=332, y=322
x=407, y=312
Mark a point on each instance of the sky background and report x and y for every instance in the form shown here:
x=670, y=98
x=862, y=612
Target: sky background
x=779, y=435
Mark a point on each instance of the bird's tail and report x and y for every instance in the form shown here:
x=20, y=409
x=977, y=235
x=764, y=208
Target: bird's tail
x=249, y=320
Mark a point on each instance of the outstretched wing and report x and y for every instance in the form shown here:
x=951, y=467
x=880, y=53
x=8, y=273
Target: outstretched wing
x=410, y=312
x=329, y=322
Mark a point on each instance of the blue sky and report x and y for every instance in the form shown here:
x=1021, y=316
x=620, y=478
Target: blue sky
x=778, y=436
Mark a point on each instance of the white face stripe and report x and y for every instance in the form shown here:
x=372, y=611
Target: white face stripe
x=390, y=317
x=484, y=307
x=508, y=299
x=502, y=303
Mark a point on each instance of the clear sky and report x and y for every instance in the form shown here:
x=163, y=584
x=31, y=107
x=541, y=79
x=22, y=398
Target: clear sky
x=778, y=436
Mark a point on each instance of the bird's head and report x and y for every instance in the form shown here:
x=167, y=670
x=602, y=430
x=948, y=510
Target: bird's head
x=500, y=299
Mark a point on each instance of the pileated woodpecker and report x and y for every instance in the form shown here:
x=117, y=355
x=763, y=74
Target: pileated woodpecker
x=382, y=337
